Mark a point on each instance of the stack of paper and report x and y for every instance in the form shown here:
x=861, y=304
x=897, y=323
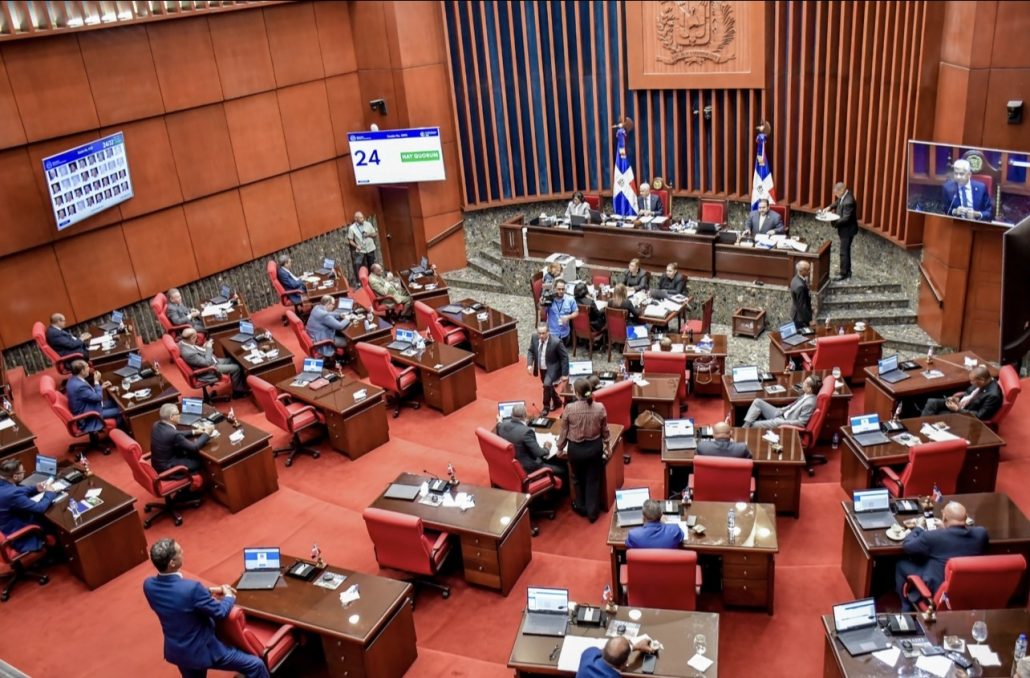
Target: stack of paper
x=542, y=438
x=984, y=655
x=573, y=648
x=212, y=310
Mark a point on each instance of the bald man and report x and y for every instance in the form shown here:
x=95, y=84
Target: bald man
x=595, y=663
x=722, y=445
x=928, y=551
x=964, y=196
x=982, y=399
x=361, y=235
x=63, y=341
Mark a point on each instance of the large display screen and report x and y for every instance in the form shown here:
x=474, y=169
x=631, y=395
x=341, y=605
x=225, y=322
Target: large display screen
x=397, y=156
x=87, y=179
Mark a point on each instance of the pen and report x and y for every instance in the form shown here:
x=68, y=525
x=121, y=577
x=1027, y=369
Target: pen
x=554, y=652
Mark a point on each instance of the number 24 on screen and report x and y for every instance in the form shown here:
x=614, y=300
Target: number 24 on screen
x=362, y=162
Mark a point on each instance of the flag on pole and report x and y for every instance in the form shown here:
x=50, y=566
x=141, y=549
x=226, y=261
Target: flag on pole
x=762, y=182
x=624, y=192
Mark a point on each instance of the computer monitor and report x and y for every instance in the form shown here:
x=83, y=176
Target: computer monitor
x=636, y=332
x=632, y=498
x=256, y=559
x=581, y=368
x=406, y=335
x=854, y=615
x=745, y=373
x=504, y=409
x=135, y=361
x=193, y=406
x=865, y=423
x=889, y=364
x=312, y=365
x=246, y=327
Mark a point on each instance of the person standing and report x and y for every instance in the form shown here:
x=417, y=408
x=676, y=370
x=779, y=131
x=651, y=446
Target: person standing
x=548, y=358
x=846, y=208
x=584, y=429
x=560, y=313
x=361, y=236
x=800, y=295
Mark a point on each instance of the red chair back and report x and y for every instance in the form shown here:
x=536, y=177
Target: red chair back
x=505, y=470
x=303, y=338
x=666, y=362
x=599, y=279
x=987, y=180
x=713, y=211
x=784, y=213
x=980, y=582
x=267, y=398
x=662, y=578
x=374, y=303
x=931, y=463
x=381, y=370
x=705, y=325
x=400, y=541
x=537, y=285
x=159, y=305
x=233, y=631
x=59, y=405
x=813, y=429
x=39, y=334
x=666, y=197
x=1008, y=380
x=616, y=323
x=618, y=402
x=361, y=298
x=836, y=351
x=592, y=199
x=424, y=316
x=272, y=269
x=581, y=323
x=722, y=479
x=142, y=472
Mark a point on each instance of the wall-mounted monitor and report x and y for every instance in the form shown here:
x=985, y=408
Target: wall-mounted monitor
x=983, y=185
x=397, y=156
x=87, y=179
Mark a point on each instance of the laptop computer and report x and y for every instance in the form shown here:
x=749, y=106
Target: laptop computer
x=504, y=409
x=679, y=434
x=260, y=569
x=596, y=217
x=402, y=340
x=192, y=411
x=708, y=227
x=114, y=323
x=547, y=612
x=865, y=429
x=856, y=627
x=577, y=221
x=132, y=368
x=312, y=370
x=889, y=371
x=637, y=337
x=399, y=491
x=450, y=308
x=873, y=508
x=46, y=468
x=245, y=334
x=789, y=334
x=344, y=304
x=629, y=506
x=328, y=267
x=746, y=379
x=224, y=295
x=580, y=368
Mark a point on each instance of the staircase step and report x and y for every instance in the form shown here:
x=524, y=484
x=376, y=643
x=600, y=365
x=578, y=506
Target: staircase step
x=852, y=287
x=491, y=254
x=908, y=340
x=831, y=304
x=485, y=267
x=874, y=317
x=474, y=280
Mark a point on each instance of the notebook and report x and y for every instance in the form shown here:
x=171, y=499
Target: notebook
x=403, y=340
x=46, y=468
x=504, y=409
x=679, y=434
x=629, y=506
x=312, y=370
x=133, y=368
x=114, y=323
x=399, y=491
x=580, y=368
x=865, y=429
x=192, y=411
x=889, y=370
x=637, y=337
x=789, y=334
x=328, y=267
x=224, y=294
x=245, y=334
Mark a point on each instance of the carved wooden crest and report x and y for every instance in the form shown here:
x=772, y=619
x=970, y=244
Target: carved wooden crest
x=645, y=250
x=695, y=31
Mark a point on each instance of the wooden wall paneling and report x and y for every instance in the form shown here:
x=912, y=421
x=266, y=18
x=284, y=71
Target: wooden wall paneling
x=335, y=38
x=257, y=137
x=1004, y=85
x=437, y=224
x=241, y=53
x=121, y=74
x=437, y=197
x=356, y=198
x=346, y=109
x=306, y=124
x=319, y=199
x=37, y=290
x=202, y=150
x=12, y=133
x=161, y=250
x=27, y=220
x=296, y=56
x=414, y=33
x=449, y=254
x=271, y=215
x=429, y=103
x=1010, y=48
x=50, y=85
x=368, y=23
x=155, y=183
x=97, y=272
x=219, y=232
x=516, y=88
x=980, y=329
x=184, y=58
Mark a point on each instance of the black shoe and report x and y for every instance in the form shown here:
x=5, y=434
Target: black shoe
x=236, y=395
x=544, y=412
x=576, y=508
x=843, y=277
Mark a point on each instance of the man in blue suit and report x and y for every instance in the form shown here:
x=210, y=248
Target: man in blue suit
x=86, y=395
x=188, y=611
x=17, y=508
x=63, y=341
x=929, y=550
x=764, y=221
x=965, y=197
x=595, y=663
x=324, y=324
x=287, y=279
x=654, y=534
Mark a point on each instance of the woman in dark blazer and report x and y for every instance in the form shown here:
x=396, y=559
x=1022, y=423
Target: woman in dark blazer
x=620, y=299
x=636, y=278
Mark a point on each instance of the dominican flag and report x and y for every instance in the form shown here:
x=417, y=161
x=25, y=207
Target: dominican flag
x=624, y=192
x=762, y=182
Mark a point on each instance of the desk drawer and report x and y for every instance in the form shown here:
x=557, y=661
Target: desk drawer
x=491, y=581
x=481, y=559
x=343, y=658
x=750, y=560
x=649, y=439
x=755, y=570
x=779, y=471
x=746, y=592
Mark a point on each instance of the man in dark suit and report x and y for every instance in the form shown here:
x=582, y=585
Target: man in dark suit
x=846, y=208
x=800, y=295
x=188, y=611
x=982, y=398
x=170, y=447
x=721, y=444
x=86, y=394
x=654, y=534
x=528, y=451
x=287, y=279
x=198, y=355
x=548, y=358
x=648, y=203
x=63, y=341
x=928, y=551
x=964, y=196
x=764, y=221
x=179, y=313
x=17, y=508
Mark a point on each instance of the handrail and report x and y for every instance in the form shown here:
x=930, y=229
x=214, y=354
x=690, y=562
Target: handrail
x=444, y=234
x=929, y=283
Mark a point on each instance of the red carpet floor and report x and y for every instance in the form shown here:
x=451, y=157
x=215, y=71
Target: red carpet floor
x=63, y=629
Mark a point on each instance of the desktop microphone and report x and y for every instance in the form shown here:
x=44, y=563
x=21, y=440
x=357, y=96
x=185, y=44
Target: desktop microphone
x=955, y=197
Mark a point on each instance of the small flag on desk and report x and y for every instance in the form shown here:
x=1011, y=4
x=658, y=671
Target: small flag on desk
x=624, y=192
x=762, y=182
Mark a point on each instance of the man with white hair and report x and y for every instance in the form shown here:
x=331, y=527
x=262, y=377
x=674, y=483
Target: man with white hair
x=648, y=203
x=965, y=197
x=171, y=447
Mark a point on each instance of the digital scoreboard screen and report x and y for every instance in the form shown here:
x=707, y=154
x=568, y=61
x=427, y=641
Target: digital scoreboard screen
x=397, y=156
x=87, y=179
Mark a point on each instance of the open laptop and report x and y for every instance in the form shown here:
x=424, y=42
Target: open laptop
x=577, y=221
x=789, y=334
x=224, y=295
x=402, y=340
x=746, y=379
x=873, y=508
x=344, y=304
x=629, y=506
x=637, y=337
x=114, y=323
x=46, y=468
x=865, y=429
x=245, y=334
x=679, y=434
x=328, y=267
x=505, y=408
x=856, y=627
x=131, y=369
x=580, y=368
x=889, y=371
x=596, y=217
x=192, y=411
x=260, y=569
x=547, y=612
x=401, y=491
x=312, y=370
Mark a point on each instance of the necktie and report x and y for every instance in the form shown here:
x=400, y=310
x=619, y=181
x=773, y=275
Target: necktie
x=966, y=202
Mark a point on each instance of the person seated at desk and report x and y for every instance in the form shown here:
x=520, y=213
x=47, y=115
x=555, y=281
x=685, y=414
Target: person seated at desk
x=188, y=612
x=635, y=278
x=672, y=282
x=928, y=551
x=577, y=206
x=654, y=534
x=648, y=203
x=87, y=395
x=63, y=341
x=621, y=300
x=17, y=507
x=964, y=196
x=763, y=415
x=552, y=272
x=171, y=447
x=607, y=663
x=583, y=298
x=289, y=281
x=982, y=398
x=531, y=456
x=764, y=221
x=198, y=355
x=323, y=325
x=386, y=285
x=180, y=314
x=722, y=445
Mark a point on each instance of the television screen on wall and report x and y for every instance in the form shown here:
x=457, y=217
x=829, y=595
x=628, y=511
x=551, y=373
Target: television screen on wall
x=87, y=179
x=397, y=156
x=983, y=185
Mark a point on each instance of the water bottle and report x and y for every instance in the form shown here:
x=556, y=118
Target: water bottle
x=840, y=329
x=685, y=496
x=623, y=371
x=731, y=522
x=835, y=441
x=1019, y=652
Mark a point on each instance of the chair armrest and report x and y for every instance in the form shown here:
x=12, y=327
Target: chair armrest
x=85, y=416
x=890, y=473
x=163, y=475
x=303, y=410
x=803, y=433
x=70, y=357
x=18, y=534
x=441, y=541
x=197, y=371
x=284, y=630
x=452, y=330
x=916, y=582
x=807, y=360
x=537, y=475
x=285, y=398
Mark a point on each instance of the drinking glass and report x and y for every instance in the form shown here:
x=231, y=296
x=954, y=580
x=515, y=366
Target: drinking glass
x=836, y=373
x=126, y=384
x=700, y=644
x=980, y=631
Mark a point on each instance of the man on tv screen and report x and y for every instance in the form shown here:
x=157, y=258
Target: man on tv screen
x=964, y=196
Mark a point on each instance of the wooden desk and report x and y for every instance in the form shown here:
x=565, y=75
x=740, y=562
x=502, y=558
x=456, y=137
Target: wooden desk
x=882, y=397
x=19, y=441
x=139, y=415
x=355, y=427
x=773, y=266
x=859, y=465
x=380, y=334
x=271, y=370
x=738, y=403
x=1004, y=626
x=777, y=476
x=447, y=373
x=373, y=637
x=495, y=341
x=868, y=556
x=531, y=655
x=124, y=343
x=431, y=290
x=748, y=564
x=219, y=327
x=719, y=351
x=495, y=534
x=239, y=474
x=614, y=468
x=870, y=348
x=317, y=285
x=106, y=540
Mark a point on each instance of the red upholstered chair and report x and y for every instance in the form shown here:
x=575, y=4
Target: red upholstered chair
x=833, y=351
x=272, y=642
x=159, y=305
x=169, y=486
x=702, y=326
x=402, y=543
x=294, y=418
x=59, y=406
x=972, y=583
x=361, y=298
x=618, y=401
x=666, y=362
x=507, y=473
x=663, y=578
x=615, y=327
x=593, y=199
x=377, y=305
x=722, y=479
x=445, y=334
x=272, y=269
x=311, y=348
x=1008, y=380
x=61, y=362
x=598, y=279
x=784, y=213
x=813, y=429
x=383, y=373
x=931, y=463
x=583, y=330
x=988, y=181
x=712, y=211
x=536, y=285
x=193, y=375
x=14, y=565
